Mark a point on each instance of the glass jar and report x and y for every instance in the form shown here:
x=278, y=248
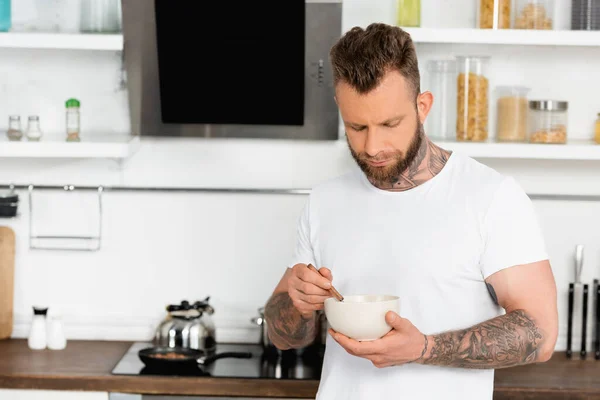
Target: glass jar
x=72, y=120
x=511, y=113
x=597, y=135
x=585, y=15
x=99, y=16
x=14, y=132
x=409, y=13
x=34, y=133
x=472, y=98
x=494, y=14
x=5, y=15
x=534, y=14
x=440, y=123
x=548, y=121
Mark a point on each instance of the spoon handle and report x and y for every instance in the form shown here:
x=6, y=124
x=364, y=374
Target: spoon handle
x=333, y=290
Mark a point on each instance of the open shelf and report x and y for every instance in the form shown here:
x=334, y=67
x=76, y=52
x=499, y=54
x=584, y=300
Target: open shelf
x=505, y=36
x=573, y=150
x=113, y=147
x=75, y=41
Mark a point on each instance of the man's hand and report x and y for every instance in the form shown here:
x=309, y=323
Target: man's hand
x=308, y=289
x=403, y=344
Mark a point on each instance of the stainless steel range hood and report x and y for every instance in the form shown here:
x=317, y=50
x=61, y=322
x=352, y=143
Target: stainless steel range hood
x=318, y=118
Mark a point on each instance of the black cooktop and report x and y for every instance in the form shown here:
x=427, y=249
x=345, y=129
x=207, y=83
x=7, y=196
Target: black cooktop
x=297, y=365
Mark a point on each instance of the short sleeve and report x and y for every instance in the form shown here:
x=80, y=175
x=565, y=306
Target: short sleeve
x=303, y=253
x=511, y=231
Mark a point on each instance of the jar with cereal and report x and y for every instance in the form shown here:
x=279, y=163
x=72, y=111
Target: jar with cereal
x=472, y=98
x=511, y=113
x=534, y=14
x=494, y=14
x=548, y=121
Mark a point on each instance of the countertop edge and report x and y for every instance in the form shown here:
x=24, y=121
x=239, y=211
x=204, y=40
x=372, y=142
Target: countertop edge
x=165, y=385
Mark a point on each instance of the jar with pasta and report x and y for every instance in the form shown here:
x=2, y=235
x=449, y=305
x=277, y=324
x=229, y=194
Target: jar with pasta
x=494, y=14
x=534, y=14
x=472, y=98
x=548, y=121
x=511, y=113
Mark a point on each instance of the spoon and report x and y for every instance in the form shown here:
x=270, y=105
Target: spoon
x=333, y=290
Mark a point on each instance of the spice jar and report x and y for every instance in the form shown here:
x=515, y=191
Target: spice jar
x=511, y=113
x=409, y=13
x=440, y=123
x=534, y=14
x=472, y=98
x=34, y=132
x=72, y=117
x=14, y=132
x=494, y=14
x=548, y=121
x=597, y=136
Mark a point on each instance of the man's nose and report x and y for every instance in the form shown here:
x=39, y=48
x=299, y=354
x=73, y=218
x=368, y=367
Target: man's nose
x=374, y=144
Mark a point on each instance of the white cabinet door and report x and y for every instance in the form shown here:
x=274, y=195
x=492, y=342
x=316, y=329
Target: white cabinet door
x=19, y=394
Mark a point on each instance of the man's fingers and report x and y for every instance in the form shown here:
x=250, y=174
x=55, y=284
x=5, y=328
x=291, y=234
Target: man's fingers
x=310, y=276
x=310, y=289
x=304, y=306
x=326, y=273
x=354, y=347
x=313, y=299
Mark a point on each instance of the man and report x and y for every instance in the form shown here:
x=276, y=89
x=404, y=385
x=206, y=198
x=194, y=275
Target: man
x=458, y=243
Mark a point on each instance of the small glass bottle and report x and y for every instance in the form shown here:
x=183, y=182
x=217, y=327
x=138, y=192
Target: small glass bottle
x=409, y=13
x=72, y=117
x=14, y=132
x=597, y=136
x=34, y=132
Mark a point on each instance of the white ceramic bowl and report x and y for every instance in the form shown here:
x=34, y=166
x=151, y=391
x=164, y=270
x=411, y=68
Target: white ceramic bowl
x=361, y=317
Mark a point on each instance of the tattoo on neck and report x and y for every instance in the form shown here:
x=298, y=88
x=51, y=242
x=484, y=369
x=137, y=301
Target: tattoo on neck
x=509, y=340
x=286, y=325
x=430, y=160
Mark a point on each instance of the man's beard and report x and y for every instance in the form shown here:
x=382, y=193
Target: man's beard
x=389, y=175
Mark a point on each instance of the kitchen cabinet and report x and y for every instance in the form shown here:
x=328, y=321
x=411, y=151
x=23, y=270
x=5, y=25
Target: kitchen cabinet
x=19, y=394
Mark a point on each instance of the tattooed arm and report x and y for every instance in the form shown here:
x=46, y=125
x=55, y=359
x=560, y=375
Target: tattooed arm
x=290, y=312
x=525, y=334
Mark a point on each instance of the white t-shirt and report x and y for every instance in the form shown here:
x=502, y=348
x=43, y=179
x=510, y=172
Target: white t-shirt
x=432, y=246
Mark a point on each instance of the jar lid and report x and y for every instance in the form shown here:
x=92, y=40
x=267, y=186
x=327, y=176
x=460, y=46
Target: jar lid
x=548, y=105
x=515, y=90
x=72, y=103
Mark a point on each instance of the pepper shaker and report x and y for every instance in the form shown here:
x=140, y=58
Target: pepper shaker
x=37, y=334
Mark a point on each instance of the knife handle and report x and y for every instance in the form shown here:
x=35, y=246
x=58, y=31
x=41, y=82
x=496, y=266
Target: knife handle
x=570, y=321
x=597, y=341
x=584, y=319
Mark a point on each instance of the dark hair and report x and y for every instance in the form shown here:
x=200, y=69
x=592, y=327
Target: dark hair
x=361, y=57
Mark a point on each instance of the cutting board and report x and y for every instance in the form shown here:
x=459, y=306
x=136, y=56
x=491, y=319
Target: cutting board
x=7, y=279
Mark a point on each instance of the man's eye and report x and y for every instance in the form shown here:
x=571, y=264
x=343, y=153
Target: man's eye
x=358, y=129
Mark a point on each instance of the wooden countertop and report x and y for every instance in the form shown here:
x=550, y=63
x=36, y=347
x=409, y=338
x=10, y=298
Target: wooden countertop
x=87, y=366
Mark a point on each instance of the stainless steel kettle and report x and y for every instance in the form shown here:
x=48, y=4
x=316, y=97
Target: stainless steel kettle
x=188, y=326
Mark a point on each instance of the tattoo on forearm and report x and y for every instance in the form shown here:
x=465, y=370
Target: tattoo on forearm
x=509, y=340
x=285, y=323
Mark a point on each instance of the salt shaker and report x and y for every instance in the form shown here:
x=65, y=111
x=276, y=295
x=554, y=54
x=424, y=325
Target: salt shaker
x=55, y=335
x=34, y=132
x=37, y=334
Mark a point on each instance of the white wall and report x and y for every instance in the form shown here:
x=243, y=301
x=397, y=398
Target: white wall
x=161, y=248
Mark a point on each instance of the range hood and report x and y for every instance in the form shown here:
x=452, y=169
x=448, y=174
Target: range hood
x=217, y=69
